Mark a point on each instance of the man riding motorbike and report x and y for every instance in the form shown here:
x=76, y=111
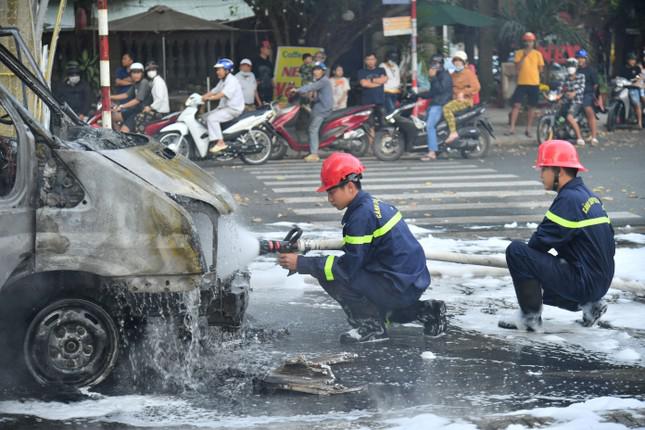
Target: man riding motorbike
x=441, y=93
x=589, y=95
x=231, y=103
x=572, y=89
x=323, y=104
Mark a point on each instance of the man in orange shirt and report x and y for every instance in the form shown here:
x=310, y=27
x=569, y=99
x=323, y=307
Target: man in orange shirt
x=529, y=64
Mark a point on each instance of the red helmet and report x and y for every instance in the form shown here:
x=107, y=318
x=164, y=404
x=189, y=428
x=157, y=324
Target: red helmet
x=336, y=168
x=528, y=36
x=558, y=153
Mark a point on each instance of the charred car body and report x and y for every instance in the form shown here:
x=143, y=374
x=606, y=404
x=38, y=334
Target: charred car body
x=97, y=228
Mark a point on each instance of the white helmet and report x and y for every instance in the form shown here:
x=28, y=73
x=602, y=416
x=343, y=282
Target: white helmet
x=136, y=66
x=461, y=55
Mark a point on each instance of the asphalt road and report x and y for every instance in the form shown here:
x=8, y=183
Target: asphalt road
x=473, y=375
x=452, y=194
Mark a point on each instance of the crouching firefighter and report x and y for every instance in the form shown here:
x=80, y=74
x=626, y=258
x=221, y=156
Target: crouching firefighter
x=578, y=228
x=383, y=270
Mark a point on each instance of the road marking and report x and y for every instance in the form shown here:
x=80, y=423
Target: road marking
x=422, y=179
x=321, y=198
x=385, y=168
x=498, y=219
x=316, y=174
x=439, y=207
x=373, y=188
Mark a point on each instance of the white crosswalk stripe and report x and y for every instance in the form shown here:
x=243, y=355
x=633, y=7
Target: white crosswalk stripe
x=448, y=193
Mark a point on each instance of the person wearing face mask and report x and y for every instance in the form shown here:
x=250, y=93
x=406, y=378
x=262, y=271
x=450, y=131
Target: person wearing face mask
x=160, y=105
x=75, y=91
x=464, y=86
x=572, y=91
x=529, y=64
x=249, y=85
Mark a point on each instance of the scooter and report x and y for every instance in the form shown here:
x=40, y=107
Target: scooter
x=620, y=110
x=245, y=135
x=553, y=123
x=343, y=130
x=151, y=129
x=405, y=131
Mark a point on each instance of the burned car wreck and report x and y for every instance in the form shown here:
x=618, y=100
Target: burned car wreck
x=98, y=230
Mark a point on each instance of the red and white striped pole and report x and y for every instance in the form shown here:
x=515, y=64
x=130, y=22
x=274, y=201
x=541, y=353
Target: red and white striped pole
x=104, y=64
x=413, y=16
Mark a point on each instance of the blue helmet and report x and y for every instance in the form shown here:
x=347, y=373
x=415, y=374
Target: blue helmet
x=225, y=64
x=320, y=65
x=582, y=53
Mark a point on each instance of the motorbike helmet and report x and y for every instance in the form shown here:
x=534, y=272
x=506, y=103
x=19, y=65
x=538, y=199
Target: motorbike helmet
x=582, y=53
x=393, y=56
x=528, y=37
x=136, y=67
x=632, y=56
x=72, y=68
x=338, y=169
x=558, y=153
x=224, y=63
x=152, y=65
x=320, y=65
x=436, y=61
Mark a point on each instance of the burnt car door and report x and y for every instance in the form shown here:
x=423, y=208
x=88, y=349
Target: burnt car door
x=17, y=188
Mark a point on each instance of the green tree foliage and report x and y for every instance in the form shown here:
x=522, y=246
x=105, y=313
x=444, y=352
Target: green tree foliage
x=542, y=17
x=334, y=25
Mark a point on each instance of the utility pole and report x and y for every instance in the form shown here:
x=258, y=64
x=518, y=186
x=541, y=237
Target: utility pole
x=104, y=64
x=413, y=16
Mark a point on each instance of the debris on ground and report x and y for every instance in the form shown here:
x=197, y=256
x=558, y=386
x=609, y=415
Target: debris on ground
x=311, y=375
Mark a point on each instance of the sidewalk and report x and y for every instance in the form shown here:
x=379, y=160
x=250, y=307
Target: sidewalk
x=499, y=118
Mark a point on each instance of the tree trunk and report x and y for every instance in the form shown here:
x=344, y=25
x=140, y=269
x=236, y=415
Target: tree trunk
x=486, y=44
x=17, y=13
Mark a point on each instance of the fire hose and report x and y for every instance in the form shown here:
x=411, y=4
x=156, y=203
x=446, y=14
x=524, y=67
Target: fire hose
x=293, y=242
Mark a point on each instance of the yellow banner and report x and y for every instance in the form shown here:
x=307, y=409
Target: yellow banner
x=397, y=26
x=287, y=63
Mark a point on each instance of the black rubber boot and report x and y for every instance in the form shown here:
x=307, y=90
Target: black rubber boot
x=529, y=297
x=592, y=311
x=368, y=330
x=432, y=313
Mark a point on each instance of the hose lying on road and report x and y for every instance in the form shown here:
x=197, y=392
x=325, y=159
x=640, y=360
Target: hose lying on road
x=494, y=261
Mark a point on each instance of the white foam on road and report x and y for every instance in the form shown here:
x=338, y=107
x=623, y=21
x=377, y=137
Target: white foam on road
x=171, y=412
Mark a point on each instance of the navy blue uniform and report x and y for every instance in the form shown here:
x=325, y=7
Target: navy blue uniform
x=578, y=228
x=384, y=266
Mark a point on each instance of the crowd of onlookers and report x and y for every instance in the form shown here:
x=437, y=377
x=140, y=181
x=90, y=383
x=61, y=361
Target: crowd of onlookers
x=140, y=94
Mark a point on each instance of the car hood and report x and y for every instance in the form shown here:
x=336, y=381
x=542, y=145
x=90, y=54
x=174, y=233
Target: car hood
x=173, y=174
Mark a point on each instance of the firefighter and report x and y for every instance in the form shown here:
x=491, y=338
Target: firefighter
x=383, y=270
x=578, y=228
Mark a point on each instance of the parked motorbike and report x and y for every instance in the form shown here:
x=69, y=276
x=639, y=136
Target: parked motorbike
x=343, y=130
x=151, y=129
x=553, y=123
x=245, y=135
x=620, y=110
x=405, y=131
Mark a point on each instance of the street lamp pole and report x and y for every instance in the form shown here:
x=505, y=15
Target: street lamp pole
x=104, y=64
x=413, y=16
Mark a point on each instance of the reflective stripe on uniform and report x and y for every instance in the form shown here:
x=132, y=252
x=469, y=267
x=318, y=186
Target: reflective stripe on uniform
x=381, y=231
x=329, y=275
x=576, y=224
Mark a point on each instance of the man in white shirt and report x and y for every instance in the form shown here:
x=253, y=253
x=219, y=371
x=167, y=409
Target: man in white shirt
x=231, y=103
x=249, y=85
x=392, y=87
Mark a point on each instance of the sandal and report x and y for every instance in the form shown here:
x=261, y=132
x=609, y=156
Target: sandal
x=430, y=156
x=509, y=133
x=528, y=134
